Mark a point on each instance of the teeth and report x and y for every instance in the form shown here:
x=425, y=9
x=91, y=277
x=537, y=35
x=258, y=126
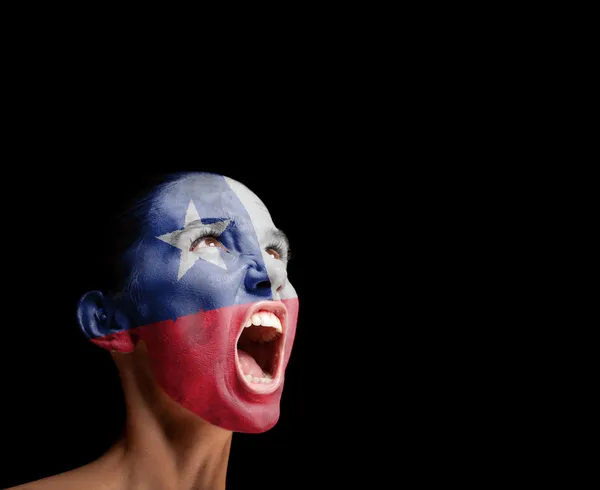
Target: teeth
x=266, y=319
x=276, y=323
x=253, y=379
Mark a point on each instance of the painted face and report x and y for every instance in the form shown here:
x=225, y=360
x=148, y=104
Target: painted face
x=209, y=296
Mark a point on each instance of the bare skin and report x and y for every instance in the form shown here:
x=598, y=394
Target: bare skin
x=164, y=447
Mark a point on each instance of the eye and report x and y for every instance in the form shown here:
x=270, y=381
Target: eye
x=206, y=241
x=273, y=253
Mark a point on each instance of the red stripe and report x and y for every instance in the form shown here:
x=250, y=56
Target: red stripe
x=193, y=360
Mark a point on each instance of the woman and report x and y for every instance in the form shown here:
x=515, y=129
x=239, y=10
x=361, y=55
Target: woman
x=200, y=325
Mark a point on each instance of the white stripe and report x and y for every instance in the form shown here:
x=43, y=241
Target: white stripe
x=262, y=223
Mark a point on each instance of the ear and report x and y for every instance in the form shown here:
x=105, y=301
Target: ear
x=103, y=324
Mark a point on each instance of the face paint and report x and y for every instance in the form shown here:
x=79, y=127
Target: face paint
x=209, y=296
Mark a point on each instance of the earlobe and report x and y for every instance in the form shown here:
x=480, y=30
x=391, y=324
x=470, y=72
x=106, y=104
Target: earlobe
x=102, y=324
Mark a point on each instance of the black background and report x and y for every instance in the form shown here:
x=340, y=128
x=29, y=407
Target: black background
x=62, y=403
x=376, y=380
x=371, y=179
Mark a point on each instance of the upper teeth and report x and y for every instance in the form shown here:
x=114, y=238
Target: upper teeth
x=264, y=318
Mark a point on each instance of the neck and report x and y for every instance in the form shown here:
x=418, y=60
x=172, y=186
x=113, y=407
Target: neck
x=164, y=446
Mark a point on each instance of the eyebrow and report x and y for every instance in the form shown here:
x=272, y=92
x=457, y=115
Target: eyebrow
x=216, y=226
x=210, y=221
x=278, y=234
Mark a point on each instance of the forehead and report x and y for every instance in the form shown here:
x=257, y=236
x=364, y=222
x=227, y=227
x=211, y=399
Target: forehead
x=256, y=209
x=214, y=196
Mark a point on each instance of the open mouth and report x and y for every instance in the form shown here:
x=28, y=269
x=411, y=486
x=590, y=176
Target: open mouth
x=259, y=349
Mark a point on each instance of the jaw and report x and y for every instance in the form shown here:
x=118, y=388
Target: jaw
x=259, y=349
x=195, y=361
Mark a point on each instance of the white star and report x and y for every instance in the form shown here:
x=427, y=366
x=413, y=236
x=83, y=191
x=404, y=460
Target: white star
x=188, y=258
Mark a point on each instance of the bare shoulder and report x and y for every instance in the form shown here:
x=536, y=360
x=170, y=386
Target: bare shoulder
x=87, y=477
x=70, y=480
x=105, y=473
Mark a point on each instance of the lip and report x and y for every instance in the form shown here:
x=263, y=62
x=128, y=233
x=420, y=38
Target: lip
x=280, y=310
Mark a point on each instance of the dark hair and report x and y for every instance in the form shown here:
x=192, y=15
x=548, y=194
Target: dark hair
x=125, y=223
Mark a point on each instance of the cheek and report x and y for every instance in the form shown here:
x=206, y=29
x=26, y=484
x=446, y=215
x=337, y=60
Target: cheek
x=159, y=295
x=189, y=356
x=288, y=293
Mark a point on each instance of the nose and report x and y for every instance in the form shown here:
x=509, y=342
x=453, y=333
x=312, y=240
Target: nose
x=266, y=276
x=257, y=280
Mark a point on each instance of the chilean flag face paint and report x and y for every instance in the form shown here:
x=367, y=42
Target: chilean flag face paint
x=208, y=294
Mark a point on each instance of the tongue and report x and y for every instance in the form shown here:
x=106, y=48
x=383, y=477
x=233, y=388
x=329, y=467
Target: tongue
x=249, y=365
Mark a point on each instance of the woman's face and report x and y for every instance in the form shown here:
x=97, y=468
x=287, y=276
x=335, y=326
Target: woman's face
x=209, y=296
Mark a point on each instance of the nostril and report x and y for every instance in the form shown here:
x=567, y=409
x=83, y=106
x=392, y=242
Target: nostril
x=257, y=280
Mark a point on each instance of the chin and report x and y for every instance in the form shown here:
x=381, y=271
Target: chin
x=237, y=410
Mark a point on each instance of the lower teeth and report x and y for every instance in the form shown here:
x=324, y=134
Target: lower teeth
x=254, y=379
